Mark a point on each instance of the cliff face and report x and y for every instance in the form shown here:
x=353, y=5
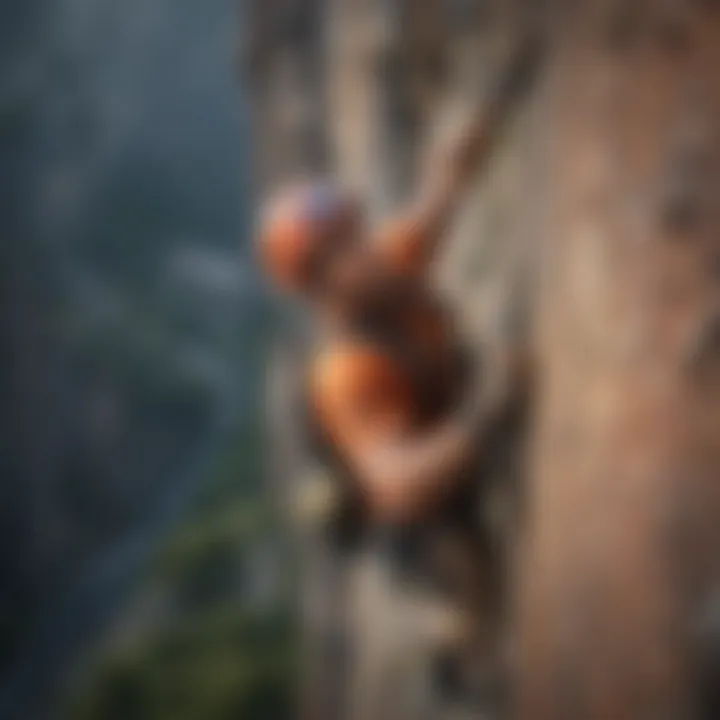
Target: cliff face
x=361, y=90
x=623, y=545
x=591, y=239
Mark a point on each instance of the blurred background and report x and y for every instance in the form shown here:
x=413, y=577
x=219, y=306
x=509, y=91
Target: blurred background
x=145, y=571
x=138, y=571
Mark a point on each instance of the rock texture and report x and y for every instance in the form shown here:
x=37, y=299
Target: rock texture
x=594, y=239
x=623, y=541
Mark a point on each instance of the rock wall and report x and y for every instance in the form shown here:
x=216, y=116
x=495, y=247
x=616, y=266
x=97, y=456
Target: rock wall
x=623, y=545
x=592, y=238
x=360, y=90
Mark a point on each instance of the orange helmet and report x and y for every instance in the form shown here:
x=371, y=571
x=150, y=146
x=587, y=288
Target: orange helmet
x=299, y=226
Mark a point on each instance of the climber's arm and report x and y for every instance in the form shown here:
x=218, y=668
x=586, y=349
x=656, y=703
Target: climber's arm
x=412, y=240
x=415, y=237
x=404, y=478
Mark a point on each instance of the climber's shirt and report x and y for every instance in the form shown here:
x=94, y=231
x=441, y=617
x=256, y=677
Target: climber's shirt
x=396, y=371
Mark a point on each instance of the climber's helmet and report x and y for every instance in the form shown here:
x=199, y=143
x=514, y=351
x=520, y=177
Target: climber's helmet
x=310, y=238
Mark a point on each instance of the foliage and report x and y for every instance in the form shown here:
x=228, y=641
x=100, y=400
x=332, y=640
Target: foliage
x=210, y=654
x=220, y=664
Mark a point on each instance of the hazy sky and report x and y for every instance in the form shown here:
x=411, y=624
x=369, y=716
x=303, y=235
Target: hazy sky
x=146, y=85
